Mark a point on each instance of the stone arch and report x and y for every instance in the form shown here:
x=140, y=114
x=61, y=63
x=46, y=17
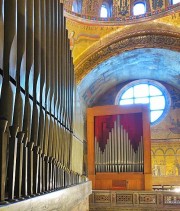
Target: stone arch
x=149, y=35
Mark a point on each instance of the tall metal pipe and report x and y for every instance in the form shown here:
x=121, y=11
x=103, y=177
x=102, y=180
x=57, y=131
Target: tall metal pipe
x=118, y=154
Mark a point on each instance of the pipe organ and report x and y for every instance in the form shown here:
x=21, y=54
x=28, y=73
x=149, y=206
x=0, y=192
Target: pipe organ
x=118, y=155
x=119, y=150
x=36, y=99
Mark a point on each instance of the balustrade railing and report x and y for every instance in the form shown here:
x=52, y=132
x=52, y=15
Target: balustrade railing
x=135, y=200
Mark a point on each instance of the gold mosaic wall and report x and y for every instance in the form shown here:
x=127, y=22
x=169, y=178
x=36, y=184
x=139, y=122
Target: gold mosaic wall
x=166, y=141
x=88, y=38
x=90, y=9
x=166, y=158
x=84, y=36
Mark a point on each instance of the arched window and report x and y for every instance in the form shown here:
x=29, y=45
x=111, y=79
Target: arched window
x=175, y=1
x=146, y=91
x=104, y=11
x=139, y=8
x=74, y=6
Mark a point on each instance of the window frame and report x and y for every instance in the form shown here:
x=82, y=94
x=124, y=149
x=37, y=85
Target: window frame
x=172, y=3
x=149, y=82
x=107, y=6
x=75, y=6
x=139, y=2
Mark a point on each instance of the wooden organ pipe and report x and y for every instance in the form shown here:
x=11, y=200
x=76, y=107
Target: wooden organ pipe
x=118, y=154
x=36, y=100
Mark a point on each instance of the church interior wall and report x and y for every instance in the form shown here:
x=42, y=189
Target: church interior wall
x=165, y=138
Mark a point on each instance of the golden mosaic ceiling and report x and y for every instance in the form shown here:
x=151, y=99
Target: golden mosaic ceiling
x=103, y=48
x=91, y=44
x=117, y=10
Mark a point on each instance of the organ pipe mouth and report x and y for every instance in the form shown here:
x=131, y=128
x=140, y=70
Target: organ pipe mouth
x=119, y=155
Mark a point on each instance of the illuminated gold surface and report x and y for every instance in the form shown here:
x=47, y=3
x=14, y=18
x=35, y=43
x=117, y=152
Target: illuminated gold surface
x=89, y=40
x=135, y=39
x=86, y=51
x=165, y=158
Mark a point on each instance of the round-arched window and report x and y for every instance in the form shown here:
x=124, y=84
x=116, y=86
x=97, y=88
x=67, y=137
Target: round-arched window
x=175, y=1
x=74, y=6
x=146, y=92
x=139, y=8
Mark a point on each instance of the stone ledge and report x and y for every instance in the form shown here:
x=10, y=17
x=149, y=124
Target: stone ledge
x=62, y=200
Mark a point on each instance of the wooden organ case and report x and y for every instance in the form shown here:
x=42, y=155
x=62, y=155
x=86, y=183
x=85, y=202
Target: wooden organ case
x=119, y=148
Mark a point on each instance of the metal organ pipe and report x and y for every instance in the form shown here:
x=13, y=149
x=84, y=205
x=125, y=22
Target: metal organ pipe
x=119, y=154
x=119, y=143
x=36, y=99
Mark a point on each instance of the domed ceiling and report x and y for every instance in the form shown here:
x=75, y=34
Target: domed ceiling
x=108, y=52
x=117, y=10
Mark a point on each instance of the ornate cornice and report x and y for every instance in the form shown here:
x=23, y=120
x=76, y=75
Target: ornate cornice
x=146, y=36
x=114, y=21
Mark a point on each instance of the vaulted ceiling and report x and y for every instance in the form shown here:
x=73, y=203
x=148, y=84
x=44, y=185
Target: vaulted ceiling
x=146, y=63
x=107, y=54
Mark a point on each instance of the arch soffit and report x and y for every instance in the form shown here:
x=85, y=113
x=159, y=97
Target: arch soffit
x=149, y=35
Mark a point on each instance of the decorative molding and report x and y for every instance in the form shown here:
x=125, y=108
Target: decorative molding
x=148, y=199
x=124, y=198
x=138, y=39
x=102, y=198
x=90, y=19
